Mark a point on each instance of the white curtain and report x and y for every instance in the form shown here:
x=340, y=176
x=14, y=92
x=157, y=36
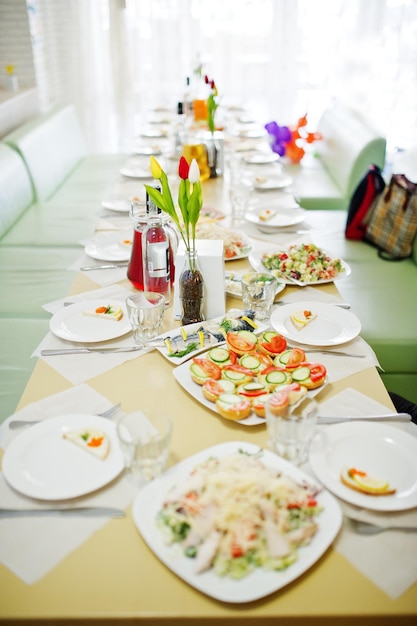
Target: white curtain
x=116, y=59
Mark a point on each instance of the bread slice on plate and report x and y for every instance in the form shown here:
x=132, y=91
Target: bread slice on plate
x=93, y=441
x=106, y=312
x=300, y=319
x=369, y=485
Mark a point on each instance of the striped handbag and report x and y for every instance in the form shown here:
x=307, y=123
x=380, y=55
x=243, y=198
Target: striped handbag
x=392, y=227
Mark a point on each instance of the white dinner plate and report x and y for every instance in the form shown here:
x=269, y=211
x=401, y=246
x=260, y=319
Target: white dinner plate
x=71, y=324
x=147, y=150
x=380, y=450
x=255, y=259
x=154, y=132
x=136, y=172
x=260, y=158
x=110, y=247
x=250, y=133
x=281, y=218
x=332, y=326
x=278, y=181
x=120, y=205
x=40, y=463
x=258, y=583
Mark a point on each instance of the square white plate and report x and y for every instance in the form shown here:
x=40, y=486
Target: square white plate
x=257, y=584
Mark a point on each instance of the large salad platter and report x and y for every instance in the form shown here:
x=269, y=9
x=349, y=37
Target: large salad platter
x=301, y=264
x=259, y=582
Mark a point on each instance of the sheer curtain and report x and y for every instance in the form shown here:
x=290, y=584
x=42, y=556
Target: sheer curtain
x=116, y=59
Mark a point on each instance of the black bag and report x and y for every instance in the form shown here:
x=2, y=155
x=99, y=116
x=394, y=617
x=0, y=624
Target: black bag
x=366, y=193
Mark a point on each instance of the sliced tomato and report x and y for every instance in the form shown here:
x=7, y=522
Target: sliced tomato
x=296, y=357
x=272, y=368
x=213, y=387
x=265, y=359
x=239, y=344
x=211, y=369
x=317, y=371
x=239, y=368
x=279, y=399
x=276, y=345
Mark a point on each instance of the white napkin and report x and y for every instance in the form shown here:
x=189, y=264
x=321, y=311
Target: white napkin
x=78, y=368
x=388, y=559
x=352, y=403
x=339, y=367
x=100, y=277
x=31, y=547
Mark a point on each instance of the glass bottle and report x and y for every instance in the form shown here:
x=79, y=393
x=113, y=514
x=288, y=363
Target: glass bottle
x=156, y=254
x=140, y=217
x=191, y=289
x=135, y=268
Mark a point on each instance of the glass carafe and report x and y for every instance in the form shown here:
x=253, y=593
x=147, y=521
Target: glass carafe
x=139, y=216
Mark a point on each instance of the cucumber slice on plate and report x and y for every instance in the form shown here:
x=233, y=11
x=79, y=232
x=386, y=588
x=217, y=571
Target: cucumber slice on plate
x=300, y=374
x=219, y=355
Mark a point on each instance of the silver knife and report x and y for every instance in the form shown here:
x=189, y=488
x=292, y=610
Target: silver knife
x=395, y=417
x=110, y=266
x=86, y=350
x=335, y=353
x=87, y=511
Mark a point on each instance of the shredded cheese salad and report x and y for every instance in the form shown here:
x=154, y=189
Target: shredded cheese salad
x=234, y=514
x=235, y=243
x=304, y=262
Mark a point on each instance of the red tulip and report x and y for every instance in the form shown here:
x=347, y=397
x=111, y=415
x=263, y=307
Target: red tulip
x=183, y=168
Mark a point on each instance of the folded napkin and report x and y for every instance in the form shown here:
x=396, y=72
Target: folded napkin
x=31, y=547
x=104, y=277
x=78, y=368
x=339, y=367
x=388, y=559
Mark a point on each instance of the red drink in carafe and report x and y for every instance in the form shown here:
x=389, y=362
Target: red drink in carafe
x=156, y=258
x=135, y=267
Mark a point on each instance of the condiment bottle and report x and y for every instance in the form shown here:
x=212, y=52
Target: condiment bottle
x=156, y=257
x=140, y=217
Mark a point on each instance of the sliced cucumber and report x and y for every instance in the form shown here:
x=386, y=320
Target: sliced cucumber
x=229, y=399
x=252, y=386
x=276, y=378
x=235, y=377
x=250, y=362
x=284, y=356
x=268, y=336
x=198, y=371
x=219, y=355
x=248, y=336
x=227, y=385
x=300, y=374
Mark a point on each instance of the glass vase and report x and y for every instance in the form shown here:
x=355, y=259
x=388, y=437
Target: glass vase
x=191, y=289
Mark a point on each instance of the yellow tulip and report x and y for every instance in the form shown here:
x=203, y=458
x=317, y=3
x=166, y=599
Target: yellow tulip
x=156, y=169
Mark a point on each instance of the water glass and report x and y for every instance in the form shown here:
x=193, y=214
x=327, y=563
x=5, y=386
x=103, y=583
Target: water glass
x=239, y=191
x=144, y=437
x=290, y=428
x=258, y=293
x=146, y=314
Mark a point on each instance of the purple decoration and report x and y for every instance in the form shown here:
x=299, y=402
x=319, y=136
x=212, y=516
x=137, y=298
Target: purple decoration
x=280, y=136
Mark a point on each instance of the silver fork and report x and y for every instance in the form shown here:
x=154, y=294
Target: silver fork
x=366, y=528
x=14, y=424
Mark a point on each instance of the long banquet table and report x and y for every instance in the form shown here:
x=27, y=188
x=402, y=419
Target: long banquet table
x=114, y=578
